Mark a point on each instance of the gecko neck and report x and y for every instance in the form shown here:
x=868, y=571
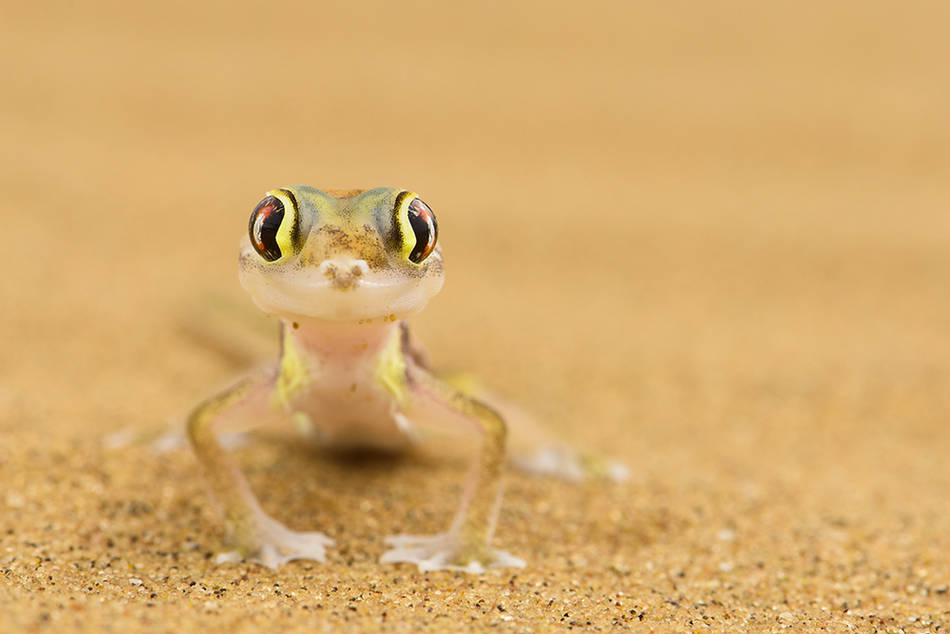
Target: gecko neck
x=329, y=340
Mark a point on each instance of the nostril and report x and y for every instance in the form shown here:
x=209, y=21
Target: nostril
x=328, y=269
x=334, y=269
x=360, y=267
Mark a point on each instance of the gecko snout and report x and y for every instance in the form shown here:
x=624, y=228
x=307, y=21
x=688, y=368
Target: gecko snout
x=344, y=273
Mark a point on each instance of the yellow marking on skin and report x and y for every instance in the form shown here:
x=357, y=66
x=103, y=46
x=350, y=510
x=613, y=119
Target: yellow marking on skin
x=284, y=232
x=391, y=368
x=293, y=375
x=402, y=218
x=465, y=382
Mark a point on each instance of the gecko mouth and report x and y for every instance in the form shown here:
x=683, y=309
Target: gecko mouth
x=338, y=283
x=339, y=297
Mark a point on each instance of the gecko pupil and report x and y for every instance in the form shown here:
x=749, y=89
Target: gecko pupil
x=265, y=221
x=424, y=226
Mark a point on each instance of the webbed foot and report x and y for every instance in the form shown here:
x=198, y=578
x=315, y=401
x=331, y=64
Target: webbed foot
x=445, y=552
x=272, y=544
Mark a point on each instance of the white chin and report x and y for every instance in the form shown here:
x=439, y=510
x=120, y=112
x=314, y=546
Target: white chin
x=325, y=302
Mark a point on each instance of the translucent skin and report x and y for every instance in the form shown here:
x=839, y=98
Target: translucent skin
x=339, y=274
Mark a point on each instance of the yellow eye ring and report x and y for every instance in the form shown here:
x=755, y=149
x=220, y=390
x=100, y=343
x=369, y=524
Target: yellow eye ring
x=417, y=227
x=274, y=226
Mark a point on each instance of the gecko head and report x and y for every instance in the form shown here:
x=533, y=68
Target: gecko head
x=341, y=256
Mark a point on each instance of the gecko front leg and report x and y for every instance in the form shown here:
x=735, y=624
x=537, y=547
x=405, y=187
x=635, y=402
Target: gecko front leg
x=466, y=546
x=253, y=535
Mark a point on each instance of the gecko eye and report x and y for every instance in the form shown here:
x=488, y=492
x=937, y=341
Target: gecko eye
x=424, y=226
x=265, y=221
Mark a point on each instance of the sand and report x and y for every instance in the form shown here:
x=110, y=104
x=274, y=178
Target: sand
x=710, y=240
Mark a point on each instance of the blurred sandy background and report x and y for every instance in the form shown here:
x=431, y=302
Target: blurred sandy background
x=712, y=239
